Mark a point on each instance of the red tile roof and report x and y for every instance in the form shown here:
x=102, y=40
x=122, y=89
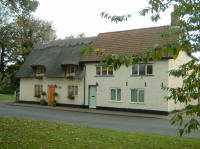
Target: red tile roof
x=129, y=41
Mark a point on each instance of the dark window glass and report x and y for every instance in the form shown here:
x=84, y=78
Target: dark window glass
x=104, y=70
x=38, y=90
x=135, y=69
x=134, y=95
x=141, y=95
x=149, y=69
x=113, y=94
x=110, y=70
x=141, y=69
x=98, y=70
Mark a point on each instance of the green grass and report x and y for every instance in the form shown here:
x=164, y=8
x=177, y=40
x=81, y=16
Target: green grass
x=18, y=133
x=7, y=97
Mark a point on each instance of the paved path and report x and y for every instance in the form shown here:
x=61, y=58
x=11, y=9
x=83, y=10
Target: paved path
x=127, y=123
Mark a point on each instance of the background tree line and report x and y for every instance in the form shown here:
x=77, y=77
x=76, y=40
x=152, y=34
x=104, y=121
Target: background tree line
x=19, y=32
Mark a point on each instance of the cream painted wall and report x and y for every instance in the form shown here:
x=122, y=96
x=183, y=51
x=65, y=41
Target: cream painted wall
x=177, y=82
x=154, y=96
x=27, y=89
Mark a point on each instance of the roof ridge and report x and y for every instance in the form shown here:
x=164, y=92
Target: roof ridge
x=136, y=29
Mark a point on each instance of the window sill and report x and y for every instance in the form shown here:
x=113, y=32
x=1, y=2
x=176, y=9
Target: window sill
x=139, y=103
x=142, y=75
x=37, y=96
x=104, y=75
x=115, y=101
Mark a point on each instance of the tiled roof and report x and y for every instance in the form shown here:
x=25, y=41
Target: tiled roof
x=128, y=41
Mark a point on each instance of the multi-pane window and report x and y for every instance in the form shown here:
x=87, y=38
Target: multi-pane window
x=71, y=69
x=115, y=94
x=39, y=70
x=98, y=70
x=137, y=95
x=38, y=90
x=102, y=70
x=142, y=69
x=73, y=90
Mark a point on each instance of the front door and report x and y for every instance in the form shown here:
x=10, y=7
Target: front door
x=92, y=96
x=51, y=97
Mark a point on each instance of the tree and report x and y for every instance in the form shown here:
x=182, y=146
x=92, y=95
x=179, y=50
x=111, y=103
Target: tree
x=19, y=32
x=9, y=11
x=71, y=36
x=188, y=31
x=19, y=37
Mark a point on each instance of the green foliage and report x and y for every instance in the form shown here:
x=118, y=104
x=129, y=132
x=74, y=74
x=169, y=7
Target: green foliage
x=71, y=36
x=43, y=93
x=55, y=94
x=7, y=97
x=19, y=32
x=187, y=30
x=32, y=134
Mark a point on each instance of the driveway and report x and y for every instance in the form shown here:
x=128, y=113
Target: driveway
x=127, y=123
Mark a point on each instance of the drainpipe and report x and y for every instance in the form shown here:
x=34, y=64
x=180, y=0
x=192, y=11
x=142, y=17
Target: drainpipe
x=84, y=82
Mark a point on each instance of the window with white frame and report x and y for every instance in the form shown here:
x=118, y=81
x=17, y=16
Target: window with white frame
x=137, y=95
x=38, y=90
x=102, y=70
x=115, y=94
x=73, y=90
x=142, y=69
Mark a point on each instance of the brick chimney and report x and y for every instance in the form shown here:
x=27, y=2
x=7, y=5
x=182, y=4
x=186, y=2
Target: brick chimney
x=174, y=17
x=51, y=34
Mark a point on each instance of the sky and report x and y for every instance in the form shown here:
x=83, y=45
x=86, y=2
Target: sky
x=83, y=16
x=77, y=16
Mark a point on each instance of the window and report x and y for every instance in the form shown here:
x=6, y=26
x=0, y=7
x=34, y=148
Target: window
x=104, y=71
x=110, y=70
x=38, y=90
x=39, y=70
x=71, y=69
x=149, y=69
x=115, y=94
x=98, y=70
x=137, y=95
x=135, y=69
x=142, y=69
x=73, y=90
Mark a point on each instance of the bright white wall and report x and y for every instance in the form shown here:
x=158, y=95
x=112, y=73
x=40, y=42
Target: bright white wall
x=27, y=89
x=154, y=96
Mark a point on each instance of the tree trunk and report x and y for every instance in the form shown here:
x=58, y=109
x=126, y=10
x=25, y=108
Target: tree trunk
x=2, y=64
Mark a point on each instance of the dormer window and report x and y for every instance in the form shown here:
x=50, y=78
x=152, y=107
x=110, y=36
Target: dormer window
x=39, y=71
x=70, y=69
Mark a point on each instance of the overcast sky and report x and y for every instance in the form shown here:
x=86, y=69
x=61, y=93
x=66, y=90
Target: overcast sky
x=77, y=16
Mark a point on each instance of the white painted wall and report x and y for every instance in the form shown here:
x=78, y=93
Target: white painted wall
x=27, y=89
x=154, y=96
x=177, y=82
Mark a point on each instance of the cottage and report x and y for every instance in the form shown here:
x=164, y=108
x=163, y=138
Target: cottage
x=82, y=81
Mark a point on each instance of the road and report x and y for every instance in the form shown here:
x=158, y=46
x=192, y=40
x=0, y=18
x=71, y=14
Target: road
x=127, y=123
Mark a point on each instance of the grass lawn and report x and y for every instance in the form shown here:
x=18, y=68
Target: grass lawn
x=7, y=97
x=18, y=133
